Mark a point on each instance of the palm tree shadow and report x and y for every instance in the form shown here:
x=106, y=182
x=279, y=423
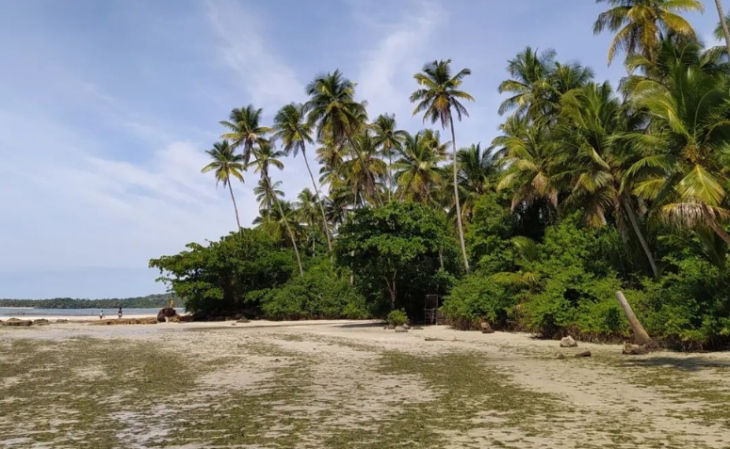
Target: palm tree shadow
x=687, y=364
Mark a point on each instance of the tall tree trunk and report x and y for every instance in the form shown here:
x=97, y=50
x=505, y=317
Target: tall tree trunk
x=441, y=257
x=714, y=226
x=368, y=173
x=456, y=197
x=286, y=223
x=640, y=236
x=321, y=206
x=392, y=290
x=725, y=29
x=640, y=335
x=235, y=207
x=390, y=175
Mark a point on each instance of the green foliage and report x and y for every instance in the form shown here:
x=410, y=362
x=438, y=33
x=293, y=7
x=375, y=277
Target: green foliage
x=216, y=278
x=393, y=252
x=397, y=317
x=476, y=298
x=689, y=306
x=319, y=294
x=142, y=302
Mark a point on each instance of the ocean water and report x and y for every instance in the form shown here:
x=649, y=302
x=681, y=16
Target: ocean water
x=31, y=312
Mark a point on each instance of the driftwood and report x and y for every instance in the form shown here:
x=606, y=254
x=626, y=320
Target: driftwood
x=640, y=335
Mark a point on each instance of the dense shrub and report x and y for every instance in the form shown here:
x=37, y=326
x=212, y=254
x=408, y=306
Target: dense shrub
x=477, y=298
x=397, y=317
x=689, y=307
x=319, y=294
x=217, y=277
x=395, y=253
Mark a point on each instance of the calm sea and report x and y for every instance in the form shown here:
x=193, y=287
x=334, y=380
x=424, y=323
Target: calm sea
x=31, y=312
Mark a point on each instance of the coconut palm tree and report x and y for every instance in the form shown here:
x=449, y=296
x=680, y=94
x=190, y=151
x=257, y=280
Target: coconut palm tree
x=722, y=31
x=245, y=130
x=295, y=133
x=336, y=115
x=308, y=211
x=439, y=98
x=265, y=157
x=417, y=169
x=226, y=163
x=389, y=140
x=594, y=122
x=686, y=178
x=638, y=23
x=360, y=174
x=265, y=196
x=529, y=84
x=477, y=174
x=533, y=160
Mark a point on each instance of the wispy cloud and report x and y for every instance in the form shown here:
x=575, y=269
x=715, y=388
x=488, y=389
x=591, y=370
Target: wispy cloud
x=399, y=50
x=269, y=82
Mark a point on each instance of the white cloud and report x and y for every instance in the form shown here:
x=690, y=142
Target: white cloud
x=385, y=75
x=269, y=82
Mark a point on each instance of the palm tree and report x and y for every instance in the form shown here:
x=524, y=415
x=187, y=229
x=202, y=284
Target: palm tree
x=438, y=98
x=334, y=111
x=533, y=160
x=638, y=23
x=308, y=211
x=265, y=196
x=389, y=140
x=359, y=174
x=226, y=164
x=594, y=122
x=295, y=133
x=477, y=171
x=245, y=130
x=265, y=157
x=722, y=31
x=686, y=178
x=529, y=85
x=417, y=170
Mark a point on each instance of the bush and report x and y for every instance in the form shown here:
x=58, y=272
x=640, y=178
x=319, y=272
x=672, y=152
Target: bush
x=319, y=294
x=689, y=307
x=397, y=317
x=477, y=298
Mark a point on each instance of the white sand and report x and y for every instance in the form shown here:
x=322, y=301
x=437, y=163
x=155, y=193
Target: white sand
x=611, y=399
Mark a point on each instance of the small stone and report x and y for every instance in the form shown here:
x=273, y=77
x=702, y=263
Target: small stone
x=391, y=326
x=41, y=322
x=560, y=356
x=243, y=320
x=568, y=342
x=401, y=329
x=583, y=354
x=405, y=326
x=630, y=349
x=486, y=328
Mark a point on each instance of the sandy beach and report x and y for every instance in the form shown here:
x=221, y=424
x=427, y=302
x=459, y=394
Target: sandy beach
x=344, y=384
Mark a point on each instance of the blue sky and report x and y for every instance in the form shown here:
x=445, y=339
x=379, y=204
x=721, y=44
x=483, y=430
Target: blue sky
x=106, y=109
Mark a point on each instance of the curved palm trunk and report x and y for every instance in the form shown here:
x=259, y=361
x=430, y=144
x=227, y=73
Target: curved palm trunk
x=368, y=173
x=286, y=223
x=321, y=206
x=640, y=236
x=235, y=207
x=456, y=197
x=640, y=335
x=725, y=29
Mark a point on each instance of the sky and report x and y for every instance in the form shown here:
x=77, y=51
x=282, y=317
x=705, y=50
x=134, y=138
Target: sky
x=107, y=108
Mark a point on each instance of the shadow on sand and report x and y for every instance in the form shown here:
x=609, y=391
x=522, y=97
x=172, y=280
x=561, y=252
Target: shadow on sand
x=688, y=364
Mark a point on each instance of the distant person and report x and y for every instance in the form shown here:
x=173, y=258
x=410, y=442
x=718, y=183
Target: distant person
x=101, y=314
x=120, y=313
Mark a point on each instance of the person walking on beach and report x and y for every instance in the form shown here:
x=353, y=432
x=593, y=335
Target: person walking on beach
x=120, y=312
x=101, y=314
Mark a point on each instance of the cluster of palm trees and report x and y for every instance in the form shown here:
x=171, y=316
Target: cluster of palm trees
x=655, y=151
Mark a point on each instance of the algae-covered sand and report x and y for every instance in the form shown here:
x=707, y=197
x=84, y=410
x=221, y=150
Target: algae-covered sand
x=346, y=385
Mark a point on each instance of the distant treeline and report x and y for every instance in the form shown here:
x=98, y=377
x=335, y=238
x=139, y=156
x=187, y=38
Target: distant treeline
x=142, y=302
